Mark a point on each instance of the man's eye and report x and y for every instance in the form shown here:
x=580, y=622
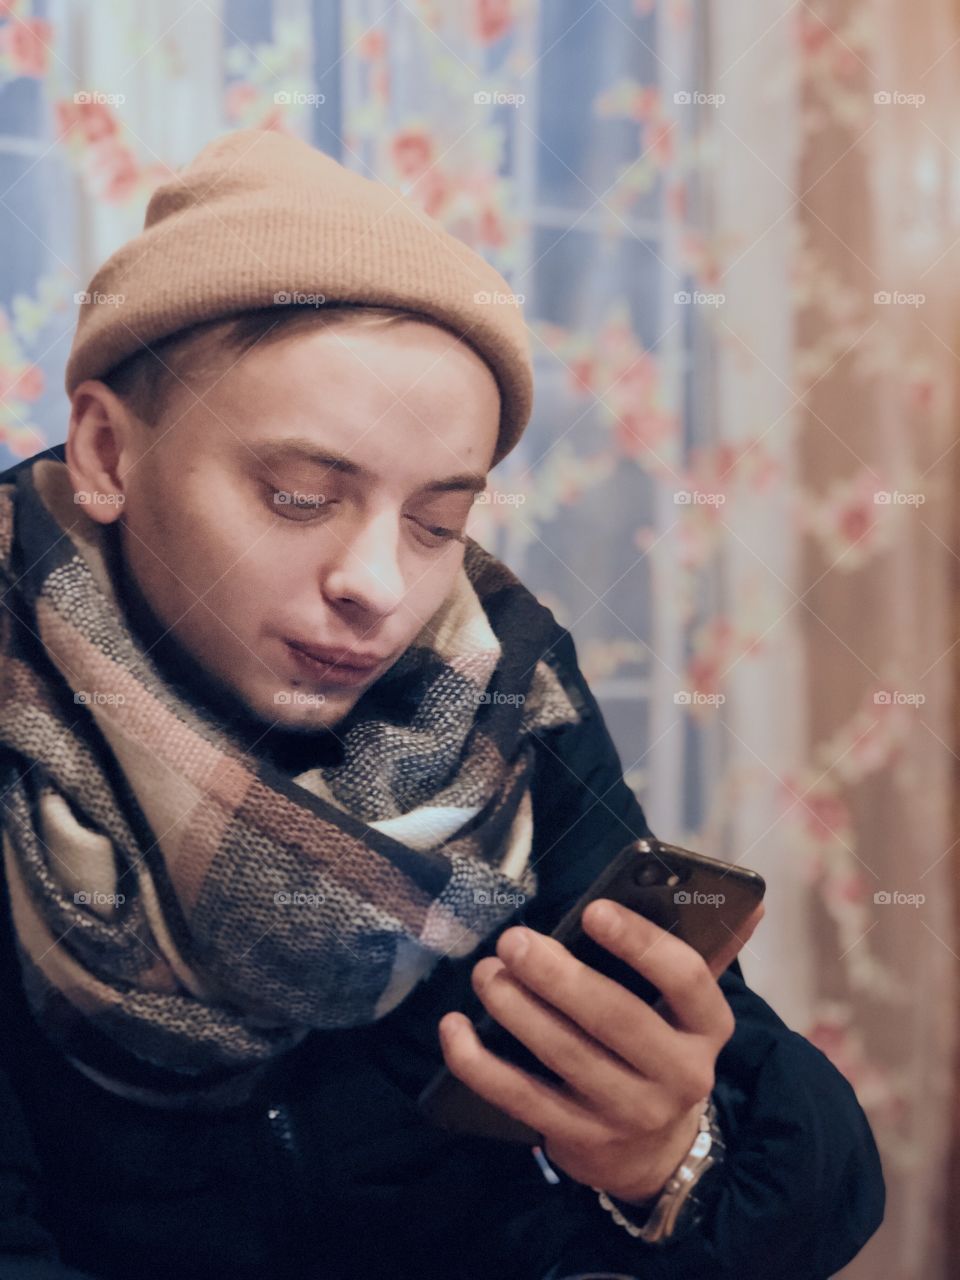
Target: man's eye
x=296, y=506
x=436, y=534
x=304, y=508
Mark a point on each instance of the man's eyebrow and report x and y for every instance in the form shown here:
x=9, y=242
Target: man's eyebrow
x=293, y=448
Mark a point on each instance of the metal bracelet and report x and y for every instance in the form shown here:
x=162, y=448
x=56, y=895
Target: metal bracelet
x=707, y=1150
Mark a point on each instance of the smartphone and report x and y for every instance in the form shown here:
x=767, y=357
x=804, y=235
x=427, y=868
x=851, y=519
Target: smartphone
x=699, y=899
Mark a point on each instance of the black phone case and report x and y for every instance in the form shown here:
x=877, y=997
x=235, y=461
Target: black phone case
x=675, y=888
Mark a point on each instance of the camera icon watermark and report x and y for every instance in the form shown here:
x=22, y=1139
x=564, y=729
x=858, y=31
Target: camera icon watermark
x=485, y=297
x=695, y=98
x=296, y=297
x=292, y=98
x=894, y=898
x=894, y=97
x=97, y=299
x=94, y=697
x=94, y=898
x=698, y=298
x=496, y=98
x=897, y=298
x=687, y=898
x=896, y=498
x=92, y=498
x=498, y=898
x=698, y=498
x=498, y=497
x=694, y=698
x=91, y=97
x=297, y=498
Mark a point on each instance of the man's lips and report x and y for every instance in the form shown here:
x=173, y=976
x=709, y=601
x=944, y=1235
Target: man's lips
x=342, y=659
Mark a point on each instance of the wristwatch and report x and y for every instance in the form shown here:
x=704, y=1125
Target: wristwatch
x=676, y=1208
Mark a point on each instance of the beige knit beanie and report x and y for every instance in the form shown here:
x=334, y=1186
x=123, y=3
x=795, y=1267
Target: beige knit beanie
x=258, y=219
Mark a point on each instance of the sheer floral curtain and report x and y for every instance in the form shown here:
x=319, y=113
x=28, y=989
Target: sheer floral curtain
x=735, y=231
x=838, y=167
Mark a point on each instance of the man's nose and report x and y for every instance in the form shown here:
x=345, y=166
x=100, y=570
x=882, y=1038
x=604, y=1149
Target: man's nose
x=366, y=566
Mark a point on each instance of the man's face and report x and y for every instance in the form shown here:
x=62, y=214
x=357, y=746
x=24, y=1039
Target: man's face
x=241, y=543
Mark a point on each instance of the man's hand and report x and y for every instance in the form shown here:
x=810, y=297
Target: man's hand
x=635, y=1074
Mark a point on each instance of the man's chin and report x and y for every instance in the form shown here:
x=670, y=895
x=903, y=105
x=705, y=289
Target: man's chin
x=302, y=712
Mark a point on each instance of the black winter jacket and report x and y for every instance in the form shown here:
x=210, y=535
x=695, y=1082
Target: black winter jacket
x=330, y=1173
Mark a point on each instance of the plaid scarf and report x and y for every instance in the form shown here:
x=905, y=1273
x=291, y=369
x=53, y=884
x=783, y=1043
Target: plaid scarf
x=184, y=912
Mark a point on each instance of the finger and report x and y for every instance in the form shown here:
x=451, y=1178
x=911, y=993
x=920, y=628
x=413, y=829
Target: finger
x=601, y=1080
x=679, y=973
x=537, y=1103
x=614, y=1018
x=738, y=939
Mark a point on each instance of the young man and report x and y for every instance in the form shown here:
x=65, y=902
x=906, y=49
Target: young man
x=284, y=753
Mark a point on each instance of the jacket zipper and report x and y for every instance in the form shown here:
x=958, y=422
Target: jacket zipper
x=282, y=1128
x=293, y=1196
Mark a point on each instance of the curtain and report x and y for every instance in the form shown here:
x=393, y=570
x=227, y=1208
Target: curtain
x=734, y=231
x=836, y=225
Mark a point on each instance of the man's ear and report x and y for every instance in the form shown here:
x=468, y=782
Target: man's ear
x=99, y=450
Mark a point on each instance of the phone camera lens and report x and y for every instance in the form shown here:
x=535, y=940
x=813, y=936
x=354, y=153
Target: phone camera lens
x=648, y=873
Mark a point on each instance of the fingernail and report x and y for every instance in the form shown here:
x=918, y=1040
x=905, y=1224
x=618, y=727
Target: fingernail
x=514, y=945
x=603, y=915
